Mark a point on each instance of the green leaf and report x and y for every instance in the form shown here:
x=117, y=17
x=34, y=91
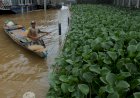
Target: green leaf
x=131, y=67
x=71, y=88
x=83, y=88
x=73, y=79
x=75, y=71
x=64, y=87
x=114, y=38
x=88, y=76
x=109, y=89
x=133, y=42
x=98, y=40
x=105, y=45
x=76, y=94
x=138, y=55
x=138, y=47
x=86, y=66
x=86, y=48
x=63, y=78
x=103, y=79
x=118, y=45
x=52, y=78
x=113, y=55
x=135, y=83
x=95, y=68
x=131, y=48
x=122, y=84
x=102, y=89
x=95, y=56
x=120, y=64
x=120, y=52
x=102, y=55
x=107, y=61
x=104, y=71
x=123, y=75
x=136, y=95
x=69, y=61
x=113, y=95
x=68, y=68
x=111, y=78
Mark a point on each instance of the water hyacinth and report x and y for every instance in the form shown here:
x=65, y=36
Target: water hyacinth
x=101, y=56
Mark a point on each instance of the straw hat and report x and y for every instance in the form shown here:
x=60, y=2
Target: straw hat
x=33, y=22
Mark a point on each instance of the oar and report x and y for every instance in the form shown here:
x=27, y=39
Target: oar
x=44, y=34
x=44, y=31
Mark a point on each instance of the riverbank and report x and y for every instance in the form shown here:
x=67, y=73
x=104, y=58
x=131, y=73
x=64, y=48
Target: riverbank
x=100, y=58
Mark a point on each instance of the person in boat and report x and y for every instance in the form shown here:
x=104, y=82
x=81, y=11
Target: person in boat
x=33, y=33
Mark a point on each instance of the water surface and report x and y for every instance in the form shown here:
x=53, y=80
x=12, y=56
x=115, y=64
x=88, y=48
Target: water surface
x=21, y=70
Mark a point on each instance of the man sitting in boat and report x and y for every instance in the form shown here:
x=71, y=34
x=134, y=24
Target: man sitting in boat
x=33, y=33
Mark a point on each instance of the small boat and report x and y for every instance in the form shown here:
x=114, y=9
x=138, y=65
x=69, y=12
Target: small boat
x=18, y=33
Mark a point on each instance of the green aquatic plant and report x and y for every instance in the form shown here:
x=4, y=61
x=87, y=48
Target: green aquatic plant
x=101, y=56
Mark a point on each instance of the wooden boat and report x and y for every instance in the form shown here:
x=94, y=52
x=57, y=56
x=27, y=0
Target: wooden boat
x=18, y=33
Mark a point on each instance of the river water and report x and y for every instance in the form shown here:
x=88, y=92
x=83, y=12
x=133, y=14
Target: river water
x=21, y=70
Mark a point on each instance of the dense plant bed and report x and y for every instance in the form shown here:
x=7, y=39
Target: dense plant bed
x=101, y=56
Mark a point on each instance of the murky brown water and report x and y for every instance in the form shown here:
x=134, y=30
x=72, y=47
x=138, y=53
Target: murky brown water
x=21, y=70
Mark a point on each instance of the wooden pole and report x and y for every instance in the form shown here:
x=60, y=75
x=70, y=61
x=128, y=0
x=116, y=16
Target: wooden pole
x=129, y=3
x=123, y=3
x=22, y=9
x=18, y=2
x=10, y=2
x=0, y=3
x=59, y=26
x=45, y=5
x=138, y=4
x=68, y=21
x=114, y=2
x=31, y=4
x=117, y=2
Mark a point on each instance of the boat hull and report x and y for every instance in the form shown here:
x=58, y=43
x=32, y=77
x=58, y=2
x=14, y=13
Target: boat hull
x=42, y=54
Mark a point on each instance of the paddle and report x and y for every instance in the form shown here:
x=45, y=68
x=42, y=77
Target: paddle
x=44, y=34
x=45, y=31
x=50, y=31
